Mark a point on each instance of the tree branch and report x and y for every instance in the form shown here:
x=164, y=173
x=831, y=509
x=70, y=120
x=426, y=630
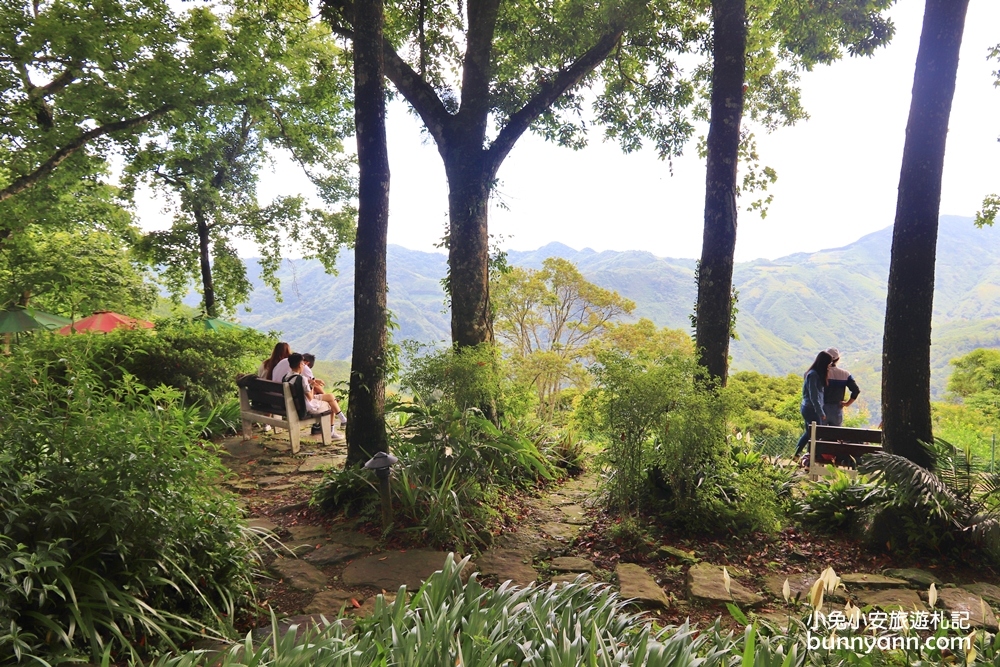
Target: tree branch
x=477, y=65
x=418, y=93
x=24, y=182
x=548, y=93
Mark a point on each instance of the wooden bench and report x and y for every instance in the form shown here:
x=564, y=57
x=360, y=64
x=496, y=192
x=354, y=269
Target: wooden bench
x=840, y=446
x=271, y=403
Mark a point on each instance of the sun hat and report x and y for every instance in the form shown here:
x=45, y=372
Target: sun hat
x=834, y=353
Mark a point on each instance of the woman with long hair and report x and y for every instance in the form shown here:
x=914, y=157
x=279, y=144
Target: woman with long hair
x=813, y=386
x=281, y=351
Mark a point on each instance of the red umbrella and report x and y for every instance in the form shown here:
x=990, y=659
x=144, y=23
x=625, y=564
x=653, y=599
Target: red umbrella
x=105, y=321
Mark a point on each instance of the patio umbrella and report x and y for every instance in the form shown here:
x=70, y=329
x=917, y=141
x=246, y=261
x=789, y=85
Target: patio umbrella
x=19, y=320
x=216, y=324
x=105, y=321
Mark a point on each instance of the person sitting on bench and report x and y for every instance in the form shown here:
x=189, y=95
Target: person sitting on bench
x=314, y=404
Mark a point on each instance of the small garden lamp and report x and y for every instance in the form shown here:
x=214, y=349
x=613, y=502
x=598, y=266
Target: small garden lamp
x=381, y=463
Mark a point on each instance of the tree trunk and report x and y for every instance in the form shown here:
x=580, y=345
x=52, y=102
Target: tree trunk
x=715, y=272
x=366, y=428
x=204, y=255
x=469, y=250
x=906, y=344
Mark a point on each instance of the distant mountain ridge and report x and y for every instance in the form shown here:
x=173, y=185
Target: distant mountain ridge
x=789, y=308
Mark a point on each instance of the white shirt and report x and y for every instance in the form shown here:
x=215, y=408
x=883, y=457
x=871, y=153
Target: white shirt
x=281, y=369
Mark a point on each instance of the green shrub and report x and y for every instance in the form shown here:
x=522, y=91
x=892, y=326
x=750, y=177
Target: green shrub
x=179, y=353
x=836, y=504
x=452, y=466
x=114, y=531
x=474, y=377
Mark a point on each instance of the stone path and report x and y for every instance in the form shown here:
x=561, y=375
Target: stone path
x=340, y=570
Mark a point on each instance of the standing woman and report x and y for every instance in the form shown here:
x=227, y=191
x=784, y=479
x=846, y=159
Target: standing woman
x=281, y=351
x=812, y=396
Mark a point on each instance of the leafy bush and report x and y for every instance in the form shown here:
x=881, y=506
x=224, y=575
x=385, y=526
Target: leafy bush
x=473, y=377
x=179, y=353
x=836, y=504
x=114, y=532
x=452, y=467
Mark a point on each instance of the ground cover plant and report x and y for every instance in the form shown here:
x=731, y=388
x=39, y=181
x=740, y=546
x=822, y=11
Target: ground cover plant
x=114, y=538
x=448, y=622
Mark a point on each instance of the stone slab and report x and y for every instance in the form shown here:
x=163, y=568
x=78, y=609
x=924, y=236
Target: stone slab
x=388, y=570
x=536, y=545
x=332, y=553
x=300, y=547
x=368, y=607
x=572, y=564
x=574, y=514
x=508, y=565
x=561, y=531
x=270, y=480
x=572, y=578
x=988, y=592
x=869, y=580
x=705, y=582
x=279, y=469
x=281, y=487
x=259, y=523
x=916, y=576
x=636, y=583
x=242, y=449
x=889, y=599
x=331, y=603
x=960, y=600
x=351, y=539
x=686, y=557
x=307, y=532
x=320, y=463
x=299, y=575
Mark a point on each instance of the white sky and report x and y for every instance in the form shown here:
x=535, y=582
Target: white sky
x=837, y=171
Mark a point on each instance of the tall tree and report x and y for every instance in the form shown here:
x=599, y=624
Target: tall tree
x=78, y=74
x=906, y=343
x=752, y=49
x=366, y=428
x=522, y=65
x=715, y=270
x=283, y=91
x=551, y=319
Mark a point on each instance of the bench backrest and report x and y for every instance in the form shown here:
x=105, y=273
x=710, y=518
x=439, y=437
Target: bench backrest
x=835, y=433
x=264, y=395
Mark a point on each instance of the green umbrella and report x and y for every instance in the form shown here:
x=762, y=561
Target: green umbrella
x=19, y=320
x=216, y=324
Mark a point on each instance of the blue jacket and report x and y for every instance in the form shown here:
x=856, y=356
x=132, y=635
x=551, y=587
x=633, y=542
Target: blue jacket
x=812, y=393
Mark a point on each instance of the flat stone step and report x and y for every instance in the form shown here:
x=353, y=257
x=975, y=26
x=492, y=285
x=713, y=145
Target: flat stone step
x=572, y=564
x=988, y=592
x=508, y=565
x=893, y=599
x=962, y=601
x=300, y=575
x=915, y=576
x=322, y=462
x=331, y=603
x=869, y=580
x=333, y=553
x=637, y=584
x=705, y=582
x=306, y=532
x=573, y=578
x=389, y=570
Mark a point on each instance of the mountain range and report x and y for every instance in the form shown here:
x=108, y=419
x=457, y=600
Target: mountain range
x=789, y=308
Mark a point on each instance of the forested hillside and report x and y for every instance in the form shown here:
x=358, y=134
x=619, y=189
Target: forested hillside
x=789, y=308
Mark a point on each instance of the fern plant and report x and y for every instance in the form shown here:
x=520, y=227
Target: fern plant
x=956, y=505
